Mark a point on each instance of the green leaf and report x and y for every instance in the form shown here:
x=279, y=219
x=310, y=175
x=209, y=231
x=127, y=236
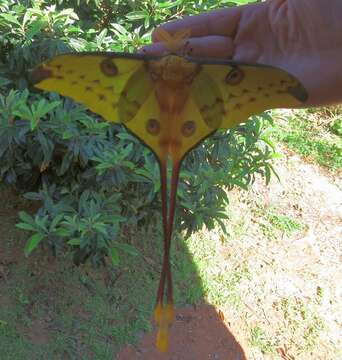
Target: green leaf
x=74, y=242
x=3, y=323
x=63, y=232
x=25, y=226
x=25, y=217
x=119, y=29
x=34, y=28
x=267, y=174
x=32, y=243
x=114, y=256
x=10, y=18
x=56, y=220
x=4, y=81
x=24, y=112
x=170, y=4
x=43, y=107
x=129, y=249
x=101, y=37
x=137, y=15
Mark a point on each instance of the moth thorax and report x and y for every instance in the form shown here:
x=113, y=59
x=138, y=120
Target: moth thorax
x=177, y=69
x=171, y=96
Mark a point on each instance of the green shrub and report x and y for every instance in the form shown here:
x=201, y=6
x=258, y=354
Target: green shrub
x=92, y=179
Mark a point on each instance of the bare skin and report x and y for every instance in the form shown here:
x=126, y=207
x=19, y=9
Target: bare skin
x=303, y=37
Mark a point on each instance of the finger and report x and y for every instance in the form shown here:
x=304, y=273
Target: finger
x=157, y=48
x=207, y=46
x=218, y=22
x=210, y=46
x=248, y=51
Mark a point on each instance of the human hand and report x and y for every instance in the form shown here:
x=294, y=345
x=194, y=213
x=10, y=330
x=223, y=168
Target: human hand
x=303, y=37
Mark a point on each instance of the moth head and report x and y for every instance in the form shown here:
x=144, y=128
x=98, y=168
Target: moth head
x=174, y=43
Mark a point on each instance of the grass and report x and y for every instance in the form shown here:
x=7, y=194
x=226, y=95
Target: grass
x=301, y=320
x=316, y=134
x=284, y=223
x=272, y=223
x=220, y=283
x=259, y=339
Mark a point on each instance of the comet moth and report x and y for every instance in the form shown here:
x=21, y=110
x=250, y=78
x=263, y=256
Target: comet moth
x=171, y=103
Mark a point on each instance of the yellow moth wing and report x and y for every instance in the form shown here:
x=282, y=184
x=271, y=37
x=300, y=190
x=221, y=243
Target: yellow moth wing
x=208, y=99
x=176, y=134
x=95, y=80
x=138, y=125
x=250, y=89
x=190, y=138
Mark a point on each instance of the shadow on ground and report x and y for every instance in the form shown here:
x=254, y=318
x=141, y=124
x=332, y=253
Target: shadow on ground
x=197, y=333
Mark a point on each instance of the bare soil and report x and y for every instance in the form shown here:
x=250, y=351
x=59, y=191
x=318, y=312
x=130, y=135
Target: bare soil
x=197, y=333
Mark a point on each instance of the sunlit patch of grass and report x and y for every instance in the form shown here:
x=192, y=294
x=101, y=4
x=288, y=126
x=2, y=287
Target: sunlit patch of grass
x=315, y=134
x=284, y=223
x=336, y=126
x=259, y=339
x=272, y=223
x=301, y=320
x=219, y=280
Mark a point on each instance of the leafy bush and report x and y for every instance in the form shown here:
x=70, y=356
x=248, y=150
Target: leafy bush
x=93, y=180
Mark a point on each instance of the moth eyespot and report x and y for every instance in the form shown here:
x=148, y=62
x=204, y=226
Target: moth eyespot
x=108, y=67
x=188, y=128
x=153, y=126
x=234, y=77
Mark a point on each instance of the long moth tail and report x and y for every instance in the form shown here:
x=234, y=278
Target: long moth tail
x=163, y=313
